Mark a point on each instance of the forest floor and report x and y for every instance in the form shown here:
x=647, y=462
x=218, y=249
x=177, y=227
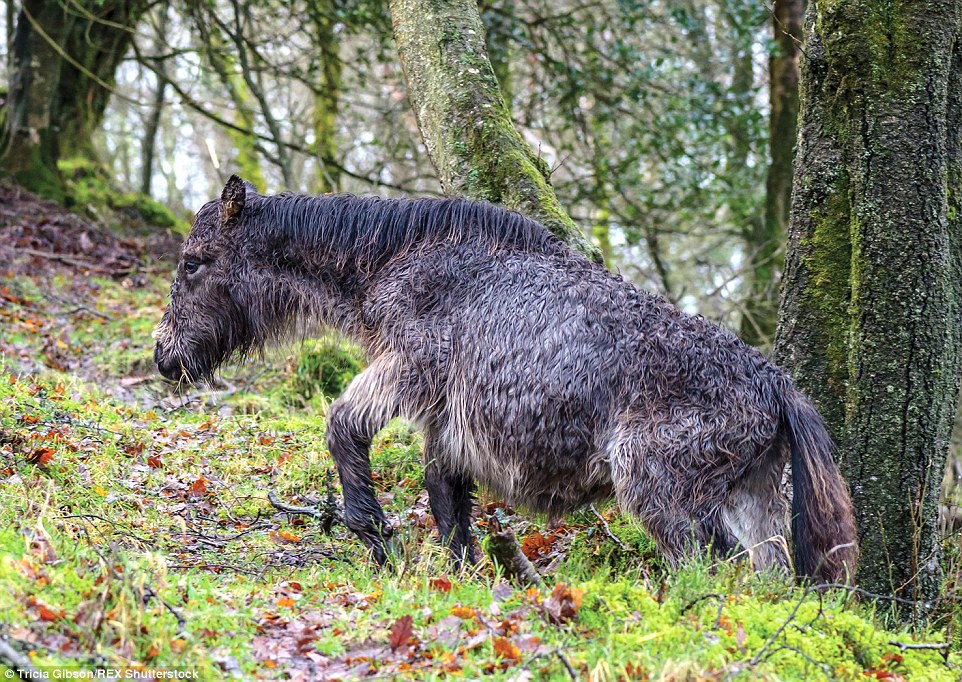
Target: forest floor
x=137, y=533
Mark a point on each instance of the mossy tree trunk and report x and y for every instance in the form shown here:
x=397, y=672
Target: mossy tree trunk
x=767, y=235
x=327, y=95
x=464, y=122
x=246, y=158
x=149, y=147
x=869, y=323
x=65, y=56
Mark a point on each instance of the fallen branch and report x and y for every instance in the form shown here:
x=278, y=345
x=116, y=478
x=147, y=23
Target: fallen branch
x=149, y=594
x=327, y=511
x=14, y=660
x=70, y=260
x=325, y=514
x=503, y=549
x=564, y=662
x=921, y=645
x=849, y=589
x=604, y=524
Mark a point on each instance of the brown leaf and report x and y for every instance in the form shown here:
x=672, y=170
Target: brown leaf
x=287, y=537
x=442, y=584
x=536, y=544
x=198, y=487
x=463, y=612
x=41, y=457
x=155, y=462
x=563, y=604
x=48, y=614
x=505, y=649
x=401, y=632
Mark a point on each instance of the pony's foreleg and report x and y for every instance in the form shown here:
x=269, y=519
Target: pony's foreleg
x=451, y=498
x=365, y=407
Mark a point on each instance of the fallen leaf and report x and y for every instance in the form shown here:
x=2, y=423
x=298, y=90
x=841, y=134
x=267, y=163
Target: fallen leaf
x=198, y=487
x=41, y=457
x=401, y=632
x=563, y=604
x=287, y=537
x=48, y=614
x=505, y=649
x=463, y=612
x=536, y=545
x=442, y=584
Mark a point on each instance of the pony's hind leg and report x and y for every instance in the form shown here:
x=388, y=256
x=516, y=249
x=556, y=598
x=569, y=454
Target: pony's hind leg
x=670, y=493
x=651, y=492
x=365, y=407
x=756, y=513
x=451, y=498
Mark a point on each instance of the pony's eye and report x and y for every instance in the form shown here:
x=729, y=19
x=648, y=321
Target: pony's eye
x=191, y=266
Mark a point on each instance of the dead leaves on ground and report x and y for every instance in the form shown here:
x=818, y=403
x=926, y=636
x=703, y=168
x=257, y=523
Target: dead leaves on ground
x=411, y=643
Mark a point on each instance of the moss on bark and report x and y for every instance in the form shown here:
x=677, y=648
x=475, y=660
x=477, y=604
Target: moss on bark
x=463, y=119
x=869, y=321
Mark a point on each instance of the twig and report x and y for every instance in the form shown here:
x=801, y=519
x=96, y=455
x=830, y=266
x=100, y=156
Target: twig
x=710, y=595
x=12, y=658
x=564, y=662
x=904, y=646
x=325, y=515
x=70, y=260
x=818, y=664
x=827, y=586
x=604, y=524
x=229, y=567
x=149, y=594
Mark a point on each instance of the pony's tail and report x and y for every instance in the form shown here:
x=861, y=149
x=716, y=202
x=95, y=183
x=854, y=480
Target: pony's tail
x=823, y=527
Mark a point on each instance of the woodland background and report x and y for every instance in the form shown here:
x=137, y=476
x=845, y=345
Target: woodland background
x=663, y=137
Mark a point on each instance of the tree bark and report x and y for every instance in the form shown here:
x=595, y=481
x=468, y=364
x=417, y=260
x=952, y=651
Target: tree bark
x=464, y=122
x=31, y=142
x=156, y=110
x=246, y=158
x=64, y=60
x=869, y=323
x=327, y=96
x=767, y=236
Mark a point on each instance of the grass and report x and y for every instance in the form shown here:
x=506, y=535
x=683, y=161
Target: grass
x=135, y=531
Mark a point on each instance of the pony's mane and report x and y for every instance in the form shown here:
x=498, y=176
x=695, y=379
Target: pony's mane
x=372, y=230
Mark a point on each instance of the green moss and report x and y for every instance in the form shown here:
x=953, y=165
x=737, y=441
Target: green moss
x=89, y=189
x=872, y=43
x=325, y=367
x=830, y=262
x=37, y=176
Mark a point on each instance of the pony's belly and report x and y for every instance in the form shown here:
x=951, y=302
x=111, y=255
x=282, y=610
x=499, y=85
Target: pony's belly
x=537, y=480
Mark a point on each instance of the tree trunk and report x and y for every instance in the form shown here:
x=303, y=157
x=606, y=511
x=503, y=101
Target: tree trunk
x=767, y=236
x=64, y=61
x=327, y=97
x=246, y=158
x=869, y=323
x=31, y=143
x=156, y=109
x=466, y=127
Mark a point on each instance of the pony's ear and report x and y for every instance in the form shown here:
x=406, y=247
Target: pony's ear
x=234, y=196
